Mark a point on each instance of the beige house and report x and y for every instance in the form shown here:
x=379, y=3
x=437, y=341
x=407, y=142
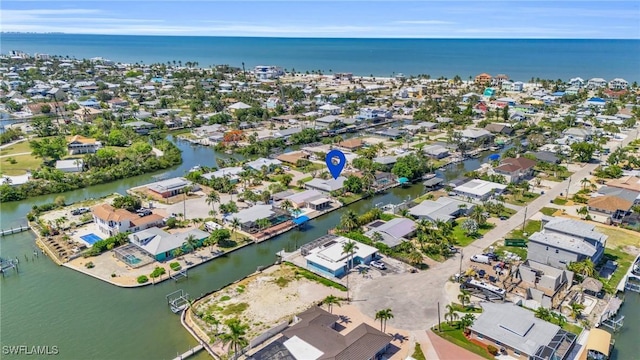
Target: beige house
x=82, y=145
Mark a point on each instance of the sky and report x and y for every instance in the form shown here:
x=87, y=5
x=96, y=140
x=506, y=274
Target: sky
x=603, y=19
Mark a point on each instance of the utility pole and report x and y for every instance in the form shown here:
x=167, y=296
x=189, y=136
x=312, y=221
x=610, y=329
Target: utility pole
x=524, y=221
x=439, y=329
x=568, y=186
x=461, y=256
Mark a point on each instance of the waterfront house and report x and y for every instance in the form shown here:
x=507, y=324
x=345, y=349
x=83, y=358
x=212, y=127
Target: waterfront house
x=230, y=173
x=248, y=217
x=618, y=84
x=70, y=166
x=613, y=203
x=596, y=83
x=577, y=82
x=329, y=109
x=626, y=182
x=111, y=221
x=598, y=346
x=263, y=163
x=562, y=241
x=475, y=136
x=311, y=199
x=79, y=144
x=385, y=162
x=325, y=255
x=267, y=72
x=436, y=151
x=293, y=157
x=316, y=334
x=140, y=127
x=479, y=189
x=483, y=79
x=161, y=245
x=496, y=128
x=286, y=133
x=543, y=284
x=516, y=332
x=515, y=169
x=207, y=130
x=393, y=232
x=421, y=126
x=172, y=187
x=325, y=186
x=328, y=121
x=443, y=209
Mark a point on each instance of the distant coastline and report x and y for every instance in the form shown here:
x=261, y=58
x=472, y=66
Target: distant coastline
x=520, y=59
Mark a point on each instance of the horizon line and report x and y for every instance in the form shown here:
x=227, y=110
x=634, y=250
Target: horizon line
x=317, y=37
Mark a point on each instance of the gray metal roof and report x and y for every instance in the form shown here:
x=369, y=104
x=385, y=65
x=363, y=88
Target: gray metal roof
x=514, y=326
x=393, y=232
x=442, y=209
x=626, y=194
x=574, y=228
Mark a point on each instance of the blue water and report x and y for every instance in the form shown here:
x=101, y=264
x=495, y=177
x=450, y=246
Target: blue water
x=90, y=238
x=519, y=59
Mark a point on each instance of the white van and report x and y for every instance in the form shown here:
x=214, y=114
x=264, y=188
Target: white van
x=484, y=259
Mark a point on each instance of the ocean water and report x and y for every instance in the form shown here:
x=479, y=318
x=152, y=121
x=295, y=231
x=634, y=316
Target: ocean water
x=519, y=59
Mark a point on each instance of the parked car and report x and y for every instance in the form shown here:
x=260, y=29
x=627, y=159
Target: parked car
x=144, y=212
x=453, y=249
x=482, y=273
x=504, y=217
x=378, y=265
x=80, y=211
x=491, y=256
x=481, y=259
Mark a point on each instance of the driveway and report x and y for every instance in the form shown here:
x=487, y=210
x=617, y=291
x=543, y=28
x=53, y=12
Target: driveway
x=414, y=297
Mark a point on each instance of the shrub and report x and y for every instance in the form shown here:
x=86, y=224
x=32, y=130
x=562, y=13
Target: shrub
x=175, y=266
x=171, y=222
x=225, y=298
x=113, y=275
x=158, y=271
x=142, y=279
x=492, y=350
x=89, y=265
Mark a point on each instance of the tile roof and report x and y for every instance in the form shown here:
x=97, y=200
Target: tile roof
x=81, y=139
x=107, y=212
x=522, y=163
x=609, y=203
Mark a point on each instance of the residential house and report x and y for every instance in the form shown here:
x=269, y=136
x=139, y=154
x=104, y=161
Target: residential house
x=577, y=82
x=443, y=209
x=517, y=86
x=330, y=109
x=476, y=136
x=238, y=106
x=56, y=94
x=140, y=127
x=515, y=169
x=206, y=130
x=613, y=203
x=315, y=334
x=117, y=103
x=111, y=221
x=392, y=232
x=70, y=166
x=618, y=84
x=520, y=333
x=545, y=285
x=326, y=186
x=483, y=79
x=87, y=114
x=286, y=133
x=374, y=114
x=562, y=241
x=263, y=163
x=579, y=134
x=293, y=157
x=386, y=162
x=499, y=79
x=382, y=180
x=626, y=182
x=436, y=151
x=598, y=346
x=596, y=83
x=311, y=199
x=161, y=245
x=328, y=121
x=172, y=187
x=351, y=144
x=421, y=126
x=249, y=217
x=479, y=189
x=230, y=173
x=495, y=128
x=595, y=101
x=267, y=72
x=328, y=257
x=79, y=144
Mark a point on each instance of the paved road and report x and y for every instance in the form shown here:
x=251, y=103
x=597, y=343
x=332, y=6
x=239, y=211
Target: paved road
x=414, y=297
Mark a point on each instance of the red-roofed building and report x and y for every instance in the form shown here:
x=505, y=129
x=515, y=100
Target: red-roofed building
x=515, y=169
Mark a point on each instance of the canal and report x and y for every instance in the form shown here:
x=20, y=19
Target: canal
x=48, y=305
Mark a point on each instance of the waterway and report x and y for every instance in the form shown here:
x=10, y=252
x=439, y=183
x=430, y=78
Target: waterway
x=48, y=305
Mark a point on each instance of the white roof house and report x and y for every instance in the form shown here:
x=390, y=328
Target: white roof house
x=443, y=209
x=479, y=189
x=156, y=241
x=618, y=84
x=332, y=256
x=70, y=166
x=239, y=106
x=259, y=163
x=326, y=186
x=230, y=172
x=252, y=214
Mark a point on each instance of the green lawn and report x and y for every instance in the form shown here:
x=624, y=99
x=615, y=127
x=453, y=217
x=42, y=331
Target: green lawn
x=465, y=309
x=572, y=328
x=350, y=198
x=22, y=164
x=417, y=353
x=462, y=239
x=456, y=336
x=619, y=238
x=521, y=199
x=500, y=249
x=560, y=201
x=548, y=211
x=624, y=260
x=530, y=227
x=18, y=148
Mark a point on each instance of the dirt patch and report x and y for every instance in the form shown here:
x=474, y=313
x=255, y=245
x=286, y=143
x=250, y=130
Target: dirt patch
x=261, y=301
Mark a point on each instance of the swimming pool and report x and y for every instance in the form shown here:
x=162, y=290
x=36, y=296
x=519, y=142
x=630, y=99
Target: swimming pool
x=91, y=238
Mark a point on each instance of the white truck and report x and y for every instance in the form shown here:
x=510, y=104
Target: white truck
x=483, y=259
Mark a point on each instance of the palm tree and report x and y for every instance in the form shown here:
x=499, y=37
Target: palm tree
x=585, y=267
x=330, y=301
x=464, y=297
x=286, y=205
x=263, y=223
x=585, y=182
x=451, y=314
x=177, y=252
x=235, y=224
x=211, y=320
x=377, y=237
x=191, y=242
x=478, y=215
x=414, y=257
x=185, y=193
x=212, y=198
x=349, y=221
x=236, y=335
x=583, y=211
x=466, y=321
x=542, y=313
x=560, y=319
x=383, y=316
x=576, y=310
x=350, y=248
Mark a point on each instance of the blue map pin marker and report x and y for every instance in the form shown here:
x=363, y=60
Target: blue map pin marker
x=335, y=167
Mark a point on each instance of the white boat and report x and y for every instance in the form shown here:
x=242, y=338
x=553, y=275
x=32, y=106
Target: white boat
x=428, y=176
x=196, y=168
x=636, y=268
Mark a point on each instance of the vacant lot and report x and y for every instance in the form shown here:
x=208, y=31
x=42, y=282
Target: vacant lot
x=18, y=148
x=626, y=240
x=19, y=164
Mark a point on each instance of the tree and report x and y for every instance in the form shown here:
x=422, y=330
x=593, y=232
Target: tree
x=414, y=257
x=543, y=313
x=263, y=223
x=560, y=319
x=236, y=335
x=464, y=297
x=286, y=179
x=43, y=126
x=585, y=182
x=349, y=221
x=584, y=211
x=127, y=202
x=585, y=267
x=478, y=215
x=177, y=252
x=353, y=184
x=576, y=310
x=191, y=242
x=212, y=320
x=48, y=148
x=350, y=248
x=451, y=314
x=330, y=301
x=235, y=224
x=583, y=151
x=286, y=205
x=383, y=316
x=377, y=237
x=212, y=198
x=470, y=226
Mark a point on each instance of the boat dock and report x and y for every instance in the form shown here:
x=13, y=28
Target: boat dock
x=194, y=350
x=634, y=285
x=19, y=229
x=8, y=265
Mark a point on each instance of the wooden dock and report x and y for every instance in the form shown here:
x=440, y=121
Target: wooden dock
x=15, y=230
x=190, y=352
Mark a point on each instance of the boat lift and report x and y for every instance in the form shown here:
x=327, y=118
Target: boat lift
x=178, y=301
